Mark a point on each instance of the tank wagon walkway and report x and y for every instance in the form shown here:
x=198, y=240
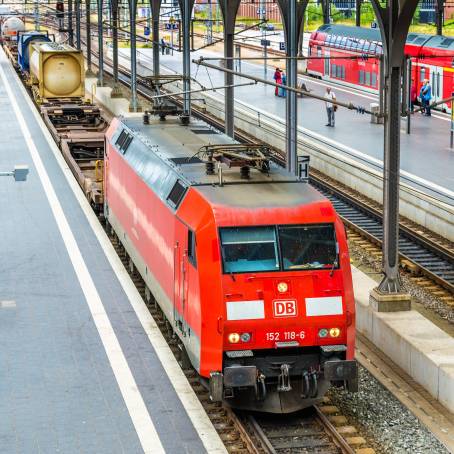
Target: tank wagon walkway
x=83, y=367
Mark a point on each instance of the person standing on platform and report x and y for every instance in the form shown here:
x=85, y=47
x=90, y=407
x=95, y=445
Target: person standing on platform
x=330, y=107
x=282, y=91
x=427, y=97
x=163, y=46
x=278, y=79
x=422, y=96
x=413, y=95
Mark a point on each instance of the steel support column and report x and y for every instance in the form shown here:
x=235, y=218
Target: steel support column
x=134, y=105
x=358, y=4
x=155, y=10
x=100, y=44
x=292, y=12
x=116, y=91
x=292, y=78
x=78, y=37
x=70, y=23
x=439, y=15
x=394, y=20
x=229, y=10
x=326, y=7
x=186, y=7
x=88, y=34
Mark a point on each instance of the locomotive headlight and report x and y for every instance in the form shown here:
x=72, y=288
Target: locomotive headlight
x=323, y=332
x=234, y=338
x=245, y=337
x=282, y=287
x=334, y=332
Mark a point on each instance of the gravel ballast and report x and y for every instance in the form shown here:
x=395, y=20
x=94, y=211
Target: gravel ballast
x=384, y=420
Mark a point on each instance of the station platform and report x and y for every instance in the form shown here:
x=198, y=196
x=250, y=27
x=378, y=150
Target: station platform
x=83, y=366
x=426, y=159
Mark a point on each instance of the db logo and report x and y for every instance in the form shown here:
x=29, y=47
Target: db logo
x=285, y=308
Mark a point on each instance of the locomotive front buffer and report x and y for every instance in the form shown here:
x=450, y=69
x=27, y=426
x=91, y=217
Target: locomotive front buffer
x=281, y=379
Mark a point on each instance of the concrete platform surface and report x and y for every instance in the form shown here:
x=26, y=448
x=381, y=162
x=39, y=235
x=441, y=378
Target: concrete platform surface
x=83, y=366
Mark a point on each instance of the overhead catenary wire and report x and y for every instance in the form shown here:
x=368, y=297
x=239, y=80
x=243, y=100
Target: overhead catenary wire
x=201, y=61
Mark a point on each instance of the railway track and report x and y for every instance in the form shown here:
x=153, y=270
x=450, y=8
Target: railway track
x=309, y=432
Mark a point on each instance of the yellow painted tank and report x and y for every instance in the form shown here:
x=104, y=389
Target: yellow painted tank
x=57, y=71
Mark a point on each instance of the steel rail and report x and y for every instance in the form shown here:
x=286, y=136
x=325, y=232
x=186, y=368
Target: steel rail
x=334, y=437
x=334, y=434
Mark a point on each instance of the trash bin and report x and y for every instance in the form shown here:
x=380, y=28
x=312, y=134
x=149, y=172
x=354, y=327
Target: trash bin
x=167, y=51
x=375, y=109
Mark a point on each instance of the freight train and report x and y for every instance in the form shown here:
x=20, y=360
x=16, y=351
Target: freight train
x=55, y=75
x=248, y=263
x=432, y=58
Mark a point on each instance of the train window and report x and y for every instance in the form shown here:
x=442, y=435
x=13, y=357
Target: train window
x=333, y=71
x=361, y=76
x=191, y=248
x=308, y=247
x=249, y=249
x=374, y=79
x=367, y=78
x=176, y=194
x=422, y=74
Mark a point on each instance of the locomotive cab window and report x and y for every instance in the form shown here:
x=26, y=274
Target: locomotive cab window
x=308, y=247
x=249, y=249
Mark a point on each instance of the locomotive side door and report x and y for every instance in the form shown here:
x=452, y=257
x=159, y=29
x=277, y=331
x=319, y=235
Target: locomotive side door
x=180, y=277
x=436, y=80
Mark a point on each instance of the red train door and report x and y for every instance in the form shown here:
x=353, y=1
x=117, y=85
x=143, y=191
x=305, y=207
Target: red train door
x=180, y=277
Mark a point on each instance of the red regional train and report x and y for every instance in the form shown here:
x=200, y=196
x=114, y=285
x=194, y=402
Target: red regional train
x=432, y=58
x=248, y=263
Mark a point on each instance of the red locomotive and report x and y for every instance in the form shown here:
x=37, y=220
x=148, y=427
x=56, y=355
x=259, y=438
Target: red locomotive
x=432, y=58
x=249, y=264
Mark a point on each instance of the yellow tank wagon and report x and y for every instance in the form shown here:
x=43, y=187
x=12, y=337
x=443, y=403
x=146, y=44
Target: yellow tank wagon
x=57, y=72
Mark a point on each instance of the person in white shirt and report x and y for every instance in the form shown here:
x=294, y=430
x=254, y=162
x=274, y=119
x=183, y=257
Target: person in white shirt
x=330, y=107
